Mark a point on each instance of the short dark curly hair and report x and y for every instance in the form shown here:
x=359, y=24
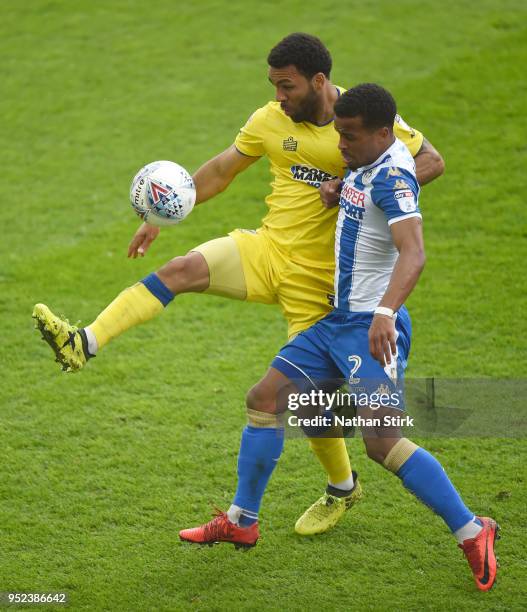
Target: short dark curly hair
x=372, y=102
x=304, y=51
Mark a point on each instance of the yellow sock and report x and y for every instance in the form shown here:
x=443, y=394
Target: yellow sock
x=333, y=456
x=133, y=306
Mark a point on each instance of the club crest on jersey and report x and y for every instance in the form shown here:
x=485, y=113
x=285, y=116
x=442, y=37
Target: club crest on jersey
x=383, y=389
x=352, y=200
x=406, y=200
x=311, y=176
x=158, y=191
x=394, y=172
x=290, y=144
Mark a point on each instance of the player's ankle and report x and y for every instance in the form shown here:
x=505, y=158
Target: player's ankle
x=91, y=341
x=240, y=517
x=345, y=485
x=469, y=531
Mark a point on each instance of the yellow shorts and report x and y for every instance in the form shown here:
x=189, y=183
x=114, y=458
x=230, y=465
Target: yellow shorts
x=246, y=265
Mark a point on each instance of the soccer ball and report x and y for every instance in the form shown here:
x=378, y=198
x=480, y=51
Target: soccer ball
x=162, y=193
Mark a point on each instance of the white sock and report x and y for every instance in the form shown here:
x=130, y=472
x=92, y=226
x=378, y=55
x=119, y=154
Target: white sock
x=344, y=485
x=233, y=514
x=468, y=531
x=92, y=341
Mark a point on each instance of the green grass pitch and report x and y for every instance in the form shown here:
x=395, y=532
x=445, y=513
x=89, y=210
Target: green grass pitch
x=98, y=471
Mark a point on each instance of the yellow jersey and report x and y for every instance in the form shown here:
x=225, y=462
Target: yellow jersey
x=302, y=156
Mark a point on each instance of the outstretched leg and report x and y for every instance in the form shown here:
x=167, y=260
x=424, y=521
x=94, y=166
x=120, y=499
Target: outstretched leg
x=136, y=304
x=146, y=299
x=214, y=267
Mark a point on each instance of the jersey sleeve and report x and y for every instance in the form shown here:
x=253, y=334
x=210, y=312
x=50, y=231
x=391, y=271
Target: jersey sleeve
x=413, y=139
x=396, y=192
x=250, y=140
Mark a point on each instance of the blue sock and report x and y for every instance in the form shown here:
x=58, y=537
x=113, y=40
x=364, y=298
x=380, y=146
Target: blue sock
x=260, y=450
x=424, y=476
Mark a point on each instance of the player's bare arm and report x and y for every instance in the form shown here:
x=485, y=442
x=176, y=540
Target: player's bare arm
x=219, y=172
x=428, y=163
x=210, y=179
x=408, y=238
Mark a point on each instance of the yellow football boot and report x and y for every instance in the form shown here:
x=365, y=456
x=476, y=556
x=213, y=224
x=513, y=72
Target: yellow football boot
x=325, y=513
x=68, y=343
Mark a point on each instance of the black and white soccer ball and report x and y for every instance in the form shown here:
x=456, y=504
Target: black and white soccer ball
x=162, y=193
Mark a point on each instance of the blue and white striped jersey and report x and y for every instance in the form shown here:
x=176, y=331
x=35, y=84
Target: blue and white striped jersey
x=372, y=198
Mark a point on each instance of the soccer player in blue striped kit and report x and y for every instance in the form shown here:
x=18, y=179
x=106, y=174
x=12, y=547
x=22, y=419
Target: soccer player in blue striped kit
x=379, y=256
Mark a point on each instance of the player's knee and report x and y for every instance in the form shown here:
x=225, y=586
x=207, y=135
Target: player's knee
x=375, y=449
x=185, y=273
x=258, y=398
x=176, y=274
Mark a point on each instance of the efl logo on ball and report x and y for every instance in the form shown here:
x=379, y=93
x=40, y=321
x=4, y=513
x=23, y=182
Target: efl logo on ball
x=162, y=193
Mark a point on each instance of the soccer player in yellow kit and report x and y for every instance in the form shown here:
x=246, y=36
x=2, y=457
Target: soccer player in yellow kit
x=288, y=261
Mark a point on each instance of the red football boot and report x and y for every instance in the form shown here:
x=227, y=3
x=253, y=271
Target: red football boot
x=479, y=552
x=220, y=529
